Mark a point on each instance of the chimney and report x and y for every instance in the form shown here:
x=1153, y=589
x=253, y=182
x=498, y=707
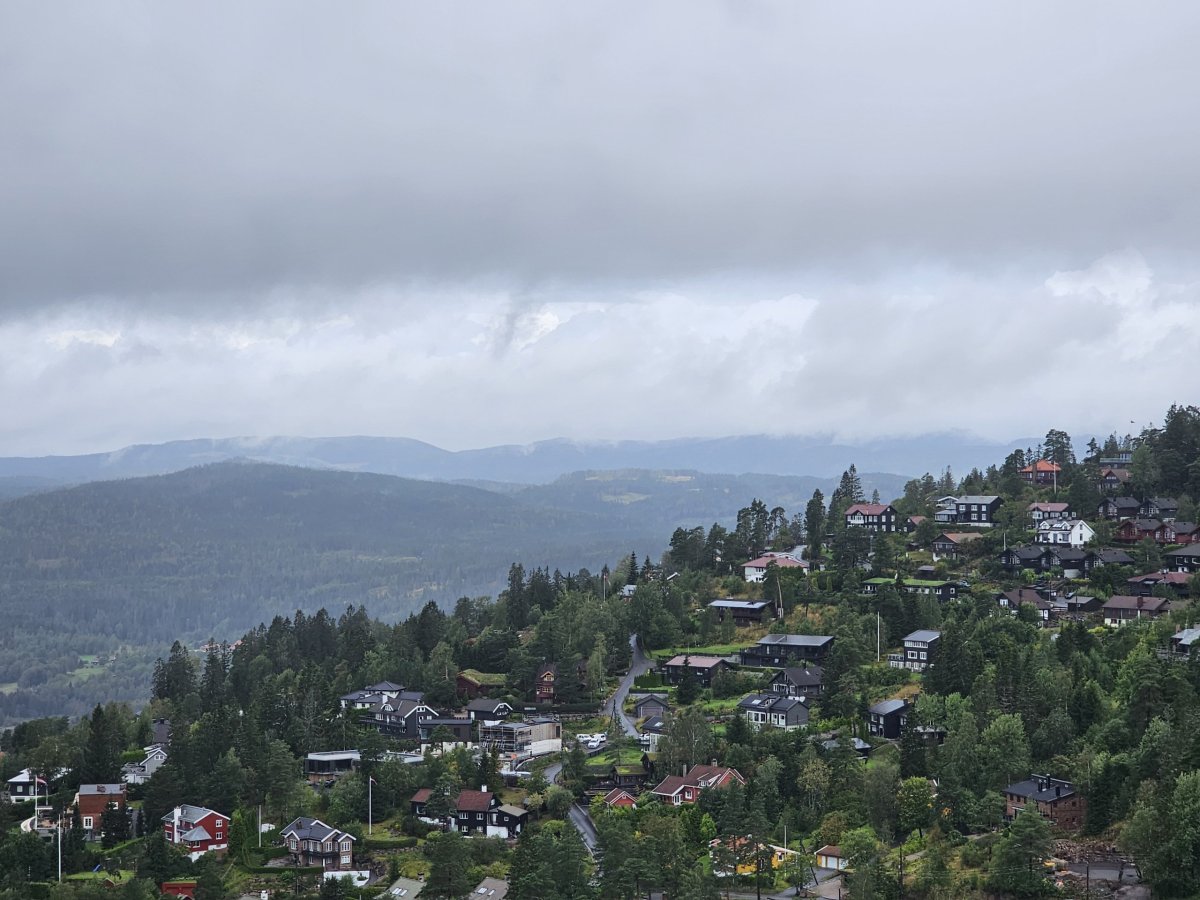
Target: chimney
x=1057, y=791
x=483, y=788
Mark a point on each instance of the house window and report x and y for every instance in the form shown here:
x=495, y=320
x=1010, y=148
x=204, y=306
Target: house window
x=220, y=835
x=87, y=821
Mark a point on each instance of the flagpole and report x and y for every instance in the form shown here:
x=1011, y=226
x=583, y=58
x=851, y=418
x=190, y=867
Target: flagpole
x=370, y=782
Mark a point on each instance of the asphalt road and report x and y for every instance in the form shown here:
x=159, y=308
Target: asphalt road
x=639, y=665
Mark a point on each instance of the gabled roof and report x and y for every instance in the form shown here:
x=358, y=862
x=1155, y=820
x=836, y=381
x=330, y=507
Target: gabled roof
x=957, y=537
x=1042, y=465
x=1123, y=502
x=662, y=699
x=657, y=724
x=1048, y=507
x=1026, y=595
x=697, y=777
x=509, y=810
x=1150, y=604
x=868, y=509
x=775, y=703
x=1187, y=637
x=802, y=677
x=983, y=499
x=1114, y=556
x=192, y=813
x=887, y=707
x=421, y=796
x=305, y=828
x=617, y=794
x=783, y=562
x=474, y=801
x=486, y=704
x=1041, y=788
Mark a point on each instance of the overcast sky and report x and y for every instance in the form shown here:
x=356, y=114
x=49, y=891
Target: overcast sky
x=501, y=222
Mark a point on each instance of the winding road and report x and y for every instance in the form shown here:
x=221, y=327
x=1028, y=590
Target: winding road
x=639, y=664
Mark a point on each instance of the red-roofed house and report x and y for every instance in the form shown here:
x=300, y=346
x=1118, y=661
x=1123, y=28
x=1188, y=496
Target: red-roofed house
x=1041, y=472
x=877, y=517
x=682, y=789
x=756, y=570
x=1122, y=608
x=471, y=811
x=620, y=797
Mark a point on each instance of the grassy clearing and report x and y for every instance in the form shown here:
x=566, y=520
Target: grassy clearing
x=123, y=875
x=710, y=650
x=621, y=756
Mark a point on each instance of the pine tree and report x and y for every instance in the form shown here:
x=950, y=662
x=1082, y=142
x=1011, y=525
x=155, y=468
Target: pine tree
x=687, y=689
x=814, y=524
x=449, y=869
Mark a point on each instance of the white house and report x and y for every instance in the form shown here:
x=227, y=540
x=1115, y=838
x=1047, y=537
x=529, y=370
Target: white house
x=1071, y=532
x=755, y=571
x=139, y=773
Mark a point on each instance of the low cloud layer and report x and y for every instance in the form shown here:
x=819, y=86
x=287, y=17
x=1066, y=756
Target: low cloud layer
x=1087, y=350
x=505, y=223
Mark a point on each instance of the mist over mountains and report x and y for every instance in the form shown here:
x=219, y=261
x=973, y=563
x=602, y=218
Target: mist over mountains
x=536, y=463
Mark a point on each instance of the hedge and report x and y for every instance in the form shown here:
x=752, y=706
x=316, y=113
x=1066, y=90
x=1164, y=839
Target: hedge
x=281, y=870
x=389, y=843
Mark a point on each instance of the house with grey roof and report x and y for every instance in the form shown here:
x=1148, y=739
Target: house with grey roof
x=887, y=719
x=1055, y=799
x=780, y=650
x=799, y=681
x=977, y=509
x=312, y=843
x=920, y=648
x=743, y=612
x=773, y=710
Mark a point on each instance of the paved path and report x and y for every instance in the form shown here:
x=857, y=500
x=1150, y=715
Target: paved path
x=639, y=665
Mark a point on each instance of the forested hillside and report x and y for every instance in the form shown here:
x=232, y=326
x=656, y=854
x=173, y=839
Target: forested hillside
x=114, y=568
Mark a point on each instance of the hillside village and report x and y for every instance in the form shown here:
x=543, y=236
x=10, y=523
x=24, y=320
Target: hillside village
x=985, y=686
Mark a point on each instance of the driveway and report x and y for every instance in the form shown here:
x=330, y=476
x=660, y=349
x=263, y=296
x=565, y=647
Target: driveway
x=639, y=665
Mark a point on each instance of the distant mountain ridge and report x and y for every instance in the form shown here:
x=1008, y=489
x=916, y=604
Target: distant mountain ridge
x=537, y=463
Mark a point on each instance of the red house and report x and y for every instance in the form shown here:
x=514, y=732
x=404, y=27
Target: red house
x=1041, y=472
x=679, y=790
x=1134, y=531
x=93, y=800
x=620, y=797
x=545, y=683
x=179, y=888
x=197, y=830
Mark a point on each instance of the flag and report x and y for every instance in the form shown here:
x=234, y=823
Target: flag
x=97, y=869
x=372, y=780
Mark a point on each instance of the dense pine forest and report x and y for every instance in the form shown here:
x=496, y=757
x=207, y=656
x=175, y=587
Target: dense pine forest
x=1106, y=709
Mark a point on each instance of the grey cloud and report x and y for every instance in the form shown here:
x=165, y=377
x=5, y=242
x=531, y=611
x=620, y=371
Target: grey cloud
x=204, y=157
